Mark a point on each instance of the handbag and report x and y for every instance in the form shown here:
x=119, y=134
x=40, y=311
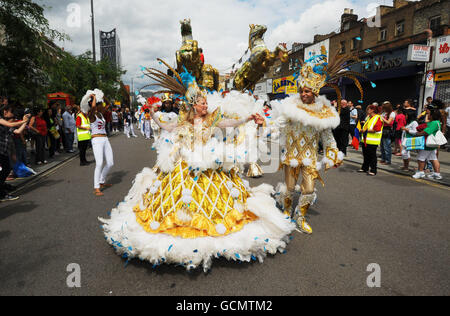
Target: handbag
x=434, y=141
x=55, y=133
x=415, y=143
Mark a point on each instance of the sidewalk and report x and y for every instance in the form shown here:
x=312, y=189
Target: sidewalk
x=397, y=163
x=53, y=163
x=57, y=160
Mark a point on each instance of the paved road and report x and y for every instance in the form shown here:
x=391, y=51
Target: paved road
x=401, y=225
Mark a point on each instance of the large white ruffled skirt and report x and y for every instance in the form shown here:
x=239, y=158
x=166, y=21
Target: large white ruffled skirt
x=268, y=234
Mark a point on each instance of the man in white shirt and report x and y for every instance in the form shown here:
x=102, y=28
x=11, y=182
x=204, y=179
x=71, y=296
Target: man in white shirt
x=353, y=118
x=69, y=129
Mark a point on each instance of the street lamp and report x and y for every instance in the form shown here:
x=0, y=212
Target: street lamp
x=93, y=31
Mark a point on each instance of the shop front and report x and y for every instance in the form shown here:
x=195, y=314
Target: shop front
x=389, y=77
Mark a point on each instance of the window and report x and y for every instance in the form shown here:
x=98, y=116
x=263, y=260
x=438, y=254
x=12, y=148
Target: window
x=400, y=28
x=382, y=35
x=346, y=26
x=435, y=23
x=355, y=43
x=342, y=50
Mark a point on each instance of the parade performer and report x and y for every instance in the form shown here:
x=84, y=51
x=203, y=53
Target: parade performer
x=128, y=123
x=196, y=207
x=164, y=114
x=305, y=120
x=101, y=146
x=147, y=119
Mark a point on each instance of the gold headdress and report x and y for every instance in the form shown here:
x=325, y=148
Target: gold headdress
x=317, y=73
x=183, y=85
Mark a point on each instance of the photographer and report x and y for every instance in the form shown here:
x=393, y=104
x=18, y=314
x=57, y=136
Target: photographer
x=7, y=128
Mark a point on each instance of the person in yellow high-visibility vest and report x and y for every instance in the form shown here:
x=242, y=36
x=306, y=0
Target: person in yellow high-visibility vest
x=83, y=133
x=372, y=134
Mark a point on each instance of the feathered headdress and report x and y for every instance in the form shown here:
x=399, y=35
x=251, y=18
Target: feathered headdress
x=154, y=101
x=317, y=73
x=84, y=104
x=183, y=84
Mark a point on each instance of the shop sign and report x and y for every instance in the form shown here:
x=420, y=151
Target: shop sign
x=285, y=85
x=442, y=76
x=442, y=57
x=419, y=53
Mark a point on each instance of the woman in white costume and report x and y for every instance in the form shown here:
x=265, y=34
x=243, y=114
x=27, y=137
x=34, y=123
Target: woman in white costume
x=104, y=159
x=196, y=207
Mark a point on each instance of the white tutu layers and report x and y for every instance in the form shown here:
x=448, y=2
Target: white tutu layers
x=267, y=235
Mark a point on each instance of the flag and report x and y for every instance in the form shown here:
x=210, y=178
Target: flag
x=357, y=137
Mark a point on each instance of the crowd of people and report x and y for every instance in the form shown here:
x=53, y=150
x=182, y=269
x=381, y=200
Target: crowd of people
x=387, y=128
x=33, y=137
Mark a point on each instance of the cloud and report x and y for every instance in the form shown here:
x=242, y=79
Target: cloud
x=151, y=29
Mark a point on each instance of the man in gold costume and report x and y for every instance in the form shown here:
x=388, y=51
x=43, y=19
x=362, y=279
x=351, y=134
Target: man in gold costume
x=304, y=120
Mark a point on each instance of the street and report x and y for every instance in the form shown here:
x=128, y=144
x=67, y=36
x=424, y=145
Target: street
x=390, y=220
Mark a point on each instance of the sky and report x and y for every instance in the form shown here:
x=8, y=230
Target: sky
x=150, y=29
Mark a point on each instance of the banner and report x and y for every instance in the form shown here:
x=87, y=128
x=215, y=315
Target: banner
x=430, y=79
x=285, y=85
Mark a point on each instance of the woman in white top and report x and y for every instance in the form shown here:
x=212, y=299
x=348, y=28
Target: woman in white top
x=101, y=147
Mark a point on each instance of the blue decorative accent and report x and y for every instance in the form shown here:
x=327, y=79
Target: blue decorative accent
x=359, y=38
x=253, y=258
x=170, y=248
x=237, y=256
x=195, y=251
x=373, y=84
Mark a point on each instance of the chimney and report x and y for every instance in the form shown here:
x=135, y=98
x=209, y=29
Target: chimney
x=348, y=19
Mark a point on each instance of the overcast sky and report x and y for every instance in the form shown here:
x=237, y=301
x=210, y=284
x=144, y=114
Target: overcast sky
x=150, y=29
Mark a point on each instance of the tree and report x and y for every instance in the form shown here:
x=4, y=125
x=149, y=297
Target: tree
x=28, y=51
x=31, y=65
x=77, y=74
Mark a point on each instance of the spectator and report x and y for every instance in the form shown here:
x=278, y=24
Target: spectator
x=429, y=154
x=109, y=120
x=342, y=131
x=388, y=119
x=361, y=115
x=115, y=121
x=410, y=110
x=83, y=135
x=7, y=128
x=372, y=134
x=53, y=134
x=400, y=122
x=69, y=129
x=38, y=126
x=353, y=118
x=20, y=143
x=411, y=129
